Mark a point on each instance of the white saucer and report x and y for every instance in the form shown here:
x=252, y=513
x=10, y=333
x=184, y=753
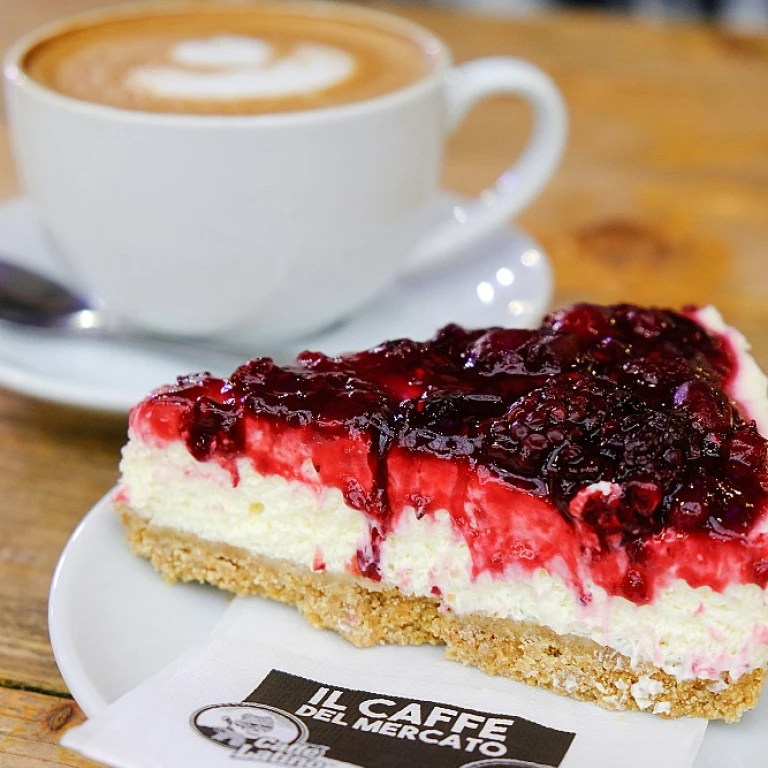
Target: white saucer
x=506, y=281
x=114, y=622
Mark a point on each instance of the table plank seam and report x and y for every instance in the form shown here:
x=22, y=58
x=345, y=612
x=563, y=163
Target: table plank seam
x=18, y=685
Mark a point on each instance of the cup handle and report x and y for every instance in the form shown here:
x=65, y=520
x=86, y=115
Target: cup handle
x=524, y=179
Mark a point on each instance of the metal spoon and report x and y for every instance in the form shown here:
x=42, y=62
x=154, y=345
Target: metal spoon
x=31, y=300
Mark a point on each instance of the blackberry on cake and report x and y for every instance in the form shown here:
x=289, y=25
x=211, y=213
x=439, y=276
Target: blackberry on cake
x=583, y=506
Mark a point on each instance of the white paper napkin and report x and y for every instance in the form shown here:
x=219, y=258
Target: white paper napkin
x=267, y=689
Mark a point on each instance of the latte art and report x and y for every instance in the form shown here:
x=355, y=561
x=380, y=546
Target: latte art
x=234, y=67
x=213, y=58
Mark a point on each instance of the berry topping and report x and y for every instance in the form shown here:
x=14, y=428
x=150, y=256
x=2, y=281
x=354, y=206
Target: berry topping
x=618, y=416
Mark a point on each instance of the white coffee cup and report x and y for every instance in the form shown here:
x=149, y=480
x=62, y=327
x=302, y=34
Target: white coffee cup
x=265, y=226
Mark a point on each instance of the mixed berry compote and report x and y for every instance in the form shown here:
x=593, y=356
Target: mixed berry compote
x=606, y=445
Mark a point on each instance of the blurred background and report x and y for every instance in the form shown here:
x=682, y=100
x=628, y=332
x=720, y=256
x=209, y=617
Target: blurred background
x=750, y=14
x=744, y=13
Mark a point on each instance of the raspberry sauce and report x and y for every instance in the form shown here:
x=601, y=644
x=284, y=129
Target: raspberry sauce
x=603, y=444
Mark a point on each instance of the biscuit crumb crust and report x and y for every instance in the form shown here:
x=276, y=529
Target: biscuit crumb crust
x=366, y=614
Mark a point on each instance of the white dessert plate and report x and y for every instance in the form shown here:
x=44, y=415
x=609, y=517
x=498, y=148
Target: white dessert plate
x=505, y=281
x=114, y=622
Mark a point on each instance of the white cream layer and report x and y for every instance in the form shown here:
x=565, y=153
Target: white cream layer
x=689, y=633
x=749, y=387
x=231, y=67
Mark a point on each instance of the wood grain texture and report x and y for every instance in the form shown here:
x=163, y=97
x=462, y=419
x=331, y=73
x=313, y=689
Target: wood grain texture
x=30, y=727
x=662, y=198
x=54, y=465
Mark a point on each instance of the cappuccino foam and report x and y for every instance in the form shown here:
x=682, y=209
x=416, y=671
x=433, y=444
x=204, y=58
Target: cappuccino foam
x=214, y=59
x=228, y=67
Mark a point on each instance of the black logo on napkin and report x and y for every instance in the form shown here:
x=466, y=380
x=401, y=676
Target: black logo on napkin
x=289, y=720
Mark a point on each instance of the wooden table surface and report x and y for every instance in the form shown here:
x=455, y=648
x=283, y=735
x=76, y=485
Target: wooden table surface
x=662, y=197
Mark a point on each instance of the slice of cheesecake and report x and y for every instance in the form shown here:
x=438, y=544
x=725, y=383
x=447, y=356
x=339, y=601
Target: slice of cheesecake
x=582, y=507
